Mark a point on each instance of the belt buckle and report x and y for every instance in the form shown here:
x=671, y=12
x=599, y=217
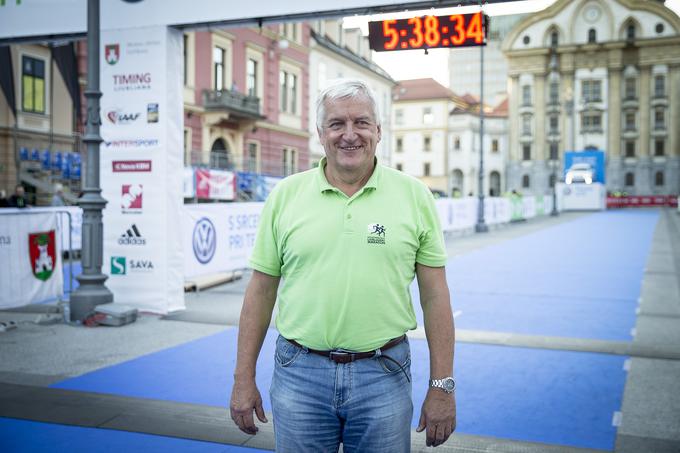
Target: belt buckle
x=341, y=356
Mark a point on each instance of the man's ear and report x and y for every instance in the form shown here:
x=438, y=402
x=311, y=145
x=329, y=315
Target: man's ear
x=379, y=132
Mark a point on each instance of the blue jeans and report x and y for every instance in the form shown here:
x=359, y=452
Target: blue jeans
x=317, y=403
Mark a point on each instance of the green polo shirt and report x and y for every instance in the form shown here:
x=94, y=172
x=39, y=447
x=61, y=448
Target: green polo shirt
x=347, y=263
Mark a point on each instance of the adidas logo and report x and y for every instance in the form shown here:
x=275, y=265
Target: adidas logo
x=132, y=237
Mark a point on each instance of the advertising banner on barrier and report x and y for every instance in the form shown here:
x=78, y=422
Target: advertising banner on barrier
x=141, y=166
x=30, y=255
x=218, y=237
x=215, y=184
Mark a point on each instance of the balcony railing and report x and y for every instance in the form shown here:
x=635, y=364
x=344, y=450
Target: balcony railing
x=232, y=101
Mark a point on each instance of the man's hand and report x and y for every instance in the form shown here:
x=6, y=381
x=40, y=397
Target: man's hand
x=438, y=415
x=245, y=397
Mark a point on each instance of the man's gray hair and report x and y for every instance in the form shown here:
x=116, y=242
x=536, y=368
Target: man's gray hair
x=345, y=89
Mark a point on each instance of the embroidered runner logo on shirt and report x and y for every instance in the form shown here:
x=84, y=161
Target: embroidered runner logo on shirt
x=376, y=234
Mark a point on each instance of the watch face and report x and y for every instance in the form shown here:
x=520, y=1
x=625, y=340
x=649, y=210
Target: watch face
x=449, y=385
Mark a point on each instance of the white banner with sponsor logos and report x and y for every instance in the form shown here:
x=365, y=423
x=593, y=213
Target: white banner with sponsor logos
x=30, y=257
x=218, y=237
x=141, y=166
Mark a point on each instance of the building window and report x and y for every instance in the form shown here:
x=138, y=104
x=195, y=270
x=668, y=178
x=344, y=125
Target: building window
x=400, y=144
x=399, y=167
x=526, y=124
x=526, y=152
x=494, y=145
x=630, y=121
x=253, y=157
x=591, y=121
x=554, y=124
x=218, y=68
x=591, y=90
x=658, y=178
x=428, y=116
x=554, y=37
x=659, y=118
x=187, y=146
x=630, y=32
x=426, y=169
x=288, y=91
x=659, y=147
x=554, y=94
x=427, y=143
x=185, y=60
x=553, y=150
x=289, y=160
x=526, y=95
x=526, y=182
x=399, y=117
x=33, y=85
x=251, y=77
x=456, y=143
x=659, y=86
x=630, y=91
x=630, y=148
x=629, y=179
x=289, y=30
x=592, y=35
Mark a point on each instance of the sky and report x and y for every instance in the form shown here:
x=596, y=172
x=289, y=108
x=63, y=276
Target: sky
x=414, y=64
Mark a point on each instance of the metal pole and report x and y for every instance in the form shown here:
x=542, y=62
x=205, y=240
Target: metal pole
x=481, y=227
x=92, y=291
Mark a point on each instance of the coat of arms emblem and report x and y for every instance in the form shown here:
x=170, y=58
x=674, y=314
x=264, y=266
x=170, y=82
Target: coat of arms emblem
x=43, y=254
x=112, y=53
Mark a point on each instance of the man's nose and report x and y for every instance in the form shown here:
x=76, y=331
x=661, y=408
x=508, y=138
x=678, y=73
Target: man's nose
x=349, y=132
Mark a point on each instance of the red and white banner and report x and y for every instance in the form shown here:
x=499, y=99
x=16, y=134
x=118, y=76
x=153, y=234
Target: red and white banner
x=215, y=184
x=633, y=201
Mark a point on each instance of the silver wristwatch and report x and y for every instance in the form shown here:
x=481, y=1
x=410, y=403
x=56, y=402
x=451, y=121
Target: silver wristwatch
x=447, y=384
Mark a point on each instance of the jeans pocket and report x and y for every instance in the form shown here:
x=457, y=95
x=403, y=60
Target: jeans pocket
x=286, y=352
x=396, y=359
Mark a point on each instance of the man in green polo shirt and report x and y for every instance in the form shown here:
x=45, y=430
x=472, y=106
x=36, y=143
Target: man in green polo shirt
x=344, y=242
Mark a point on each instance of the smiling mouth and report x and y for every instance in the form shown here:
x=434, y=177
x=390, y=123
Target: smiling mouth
x=350, y=148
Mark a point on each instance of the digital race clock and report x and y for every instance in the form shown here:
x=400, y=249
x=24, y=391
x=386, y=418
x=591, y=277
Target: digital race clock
x=457, y=30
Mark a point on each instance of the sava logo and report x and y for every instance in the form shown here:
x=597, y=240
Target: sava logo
x=122, y=266
x=376, y=234
x=132, y=237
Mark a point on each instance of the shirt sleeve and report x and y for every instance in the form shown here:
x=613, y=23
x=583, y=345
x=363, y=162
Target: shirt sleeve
x=432, y=251
x=265, y=256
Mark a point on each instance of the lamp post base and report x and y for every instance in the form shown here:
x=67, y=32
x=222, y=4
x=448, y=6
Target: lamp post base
x=481, y=228
x=89, y=294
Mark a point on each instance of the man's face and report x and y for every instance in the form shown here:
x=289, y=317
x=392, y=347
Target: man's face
x=20, y=191
x=350, y=134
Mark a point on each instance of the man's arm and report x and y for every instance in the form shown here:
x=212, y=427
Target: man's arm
x=438, y=414
x=256, y=315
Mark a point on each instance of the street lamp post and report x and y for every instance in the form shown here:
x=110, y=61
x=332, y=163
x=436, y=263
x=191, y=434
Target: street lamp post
x=553, y=163
x=92, y=291
x=481, y=227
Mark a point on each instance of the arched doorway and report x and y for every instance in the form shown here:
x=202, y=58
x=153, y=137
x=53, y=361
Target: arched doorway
x=457, y=181
x=220, y=157
x=494, y=184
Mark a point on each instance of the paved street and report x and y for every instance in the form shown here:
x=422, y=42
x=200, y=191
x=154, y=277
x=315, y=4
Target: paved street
x=568, y=336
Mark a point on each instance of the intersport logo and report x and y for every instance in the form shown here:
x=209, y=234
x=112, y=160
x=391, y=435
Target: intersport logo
x=132, y=143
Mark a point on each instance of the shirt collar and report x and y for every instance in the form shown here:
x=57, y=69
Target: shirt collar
x=324, y=185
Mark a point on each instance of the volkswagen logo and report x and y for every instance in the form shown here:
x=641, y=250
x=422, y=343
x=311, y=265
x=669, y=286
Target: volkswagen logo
x=204, y=240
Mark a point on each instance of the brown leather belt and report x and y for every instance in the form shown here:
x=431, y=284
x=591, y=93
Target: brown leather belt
x=346, y=357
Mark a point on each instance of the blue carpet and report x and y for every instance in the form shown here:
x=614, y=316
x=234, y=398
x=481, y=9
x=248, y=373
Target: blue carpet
x=581, y=278
x=30, y=436
x=546, y=396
